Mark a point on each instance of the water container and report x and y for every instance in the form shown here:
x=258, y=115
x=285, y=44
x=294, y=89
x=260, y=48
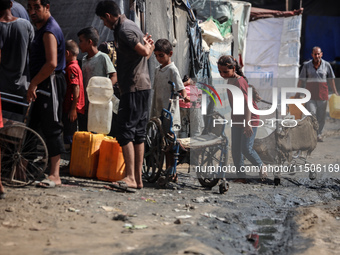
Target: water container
x=100, y=118
x=334, y=106
x=99, y=90
x=111, y=165
x=115, y=104
x=293, y=110
x=85, y=154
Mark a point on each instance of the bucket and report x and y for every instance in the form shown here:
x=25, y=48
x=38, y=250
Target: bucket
x=100, y=118
x=99, y=90
x=111, y=165
x=334, y=106
x=85, y=154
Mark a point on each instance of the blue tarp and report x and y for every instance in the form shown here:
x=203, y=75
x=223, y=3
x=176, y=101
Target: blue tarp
x=322, y=31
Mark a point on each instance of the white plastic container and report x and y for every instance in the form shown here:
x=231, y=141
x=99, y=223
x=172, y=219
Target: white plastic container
x=115, y=104
x=100, y=117
x=99, y=90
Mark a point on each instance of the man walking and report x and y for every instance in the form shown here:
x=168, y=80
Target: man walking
x=133, y=50
x=316, y=73
x=47, y=62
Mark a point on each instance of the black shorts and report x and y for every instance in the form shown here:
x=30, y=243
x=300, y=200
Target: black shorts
x=133, y=115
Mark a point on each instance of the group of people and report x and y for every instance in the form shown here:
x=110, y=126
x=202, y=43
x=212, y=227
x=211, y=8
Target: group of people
x=53, y=68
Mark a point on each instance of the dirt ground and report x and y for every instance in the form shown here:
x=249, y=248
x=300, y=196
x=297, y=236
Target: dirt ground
x=81, y=217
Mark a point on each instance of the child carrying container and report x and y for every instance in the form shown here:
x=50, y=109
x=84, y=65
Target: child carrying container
x=94, y=63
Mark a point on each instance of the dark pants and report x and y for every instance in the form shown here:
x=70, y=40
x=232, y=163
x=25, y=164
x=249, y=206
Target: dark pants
x=45, y=119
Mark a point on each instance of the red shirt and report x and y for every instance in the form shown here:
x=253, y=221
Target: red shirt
x=318, y=90
x=242, y=84
x=194, y=94
x=74, y=75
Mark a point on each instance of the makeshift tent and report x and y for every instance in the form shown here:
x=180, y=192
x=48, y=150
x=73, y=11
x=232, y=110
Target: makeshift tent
x=273, y=44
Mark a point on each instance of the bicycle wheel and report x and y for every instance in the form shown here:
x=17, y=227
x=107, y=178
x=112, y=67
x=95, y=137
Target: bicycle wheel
x=208, y=159
x=24, y=155
x=153, y=156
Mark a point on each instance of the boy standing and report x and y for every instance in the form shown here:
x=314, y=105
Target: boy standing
x=74, y=102
x=167, y=71
x=94, y=63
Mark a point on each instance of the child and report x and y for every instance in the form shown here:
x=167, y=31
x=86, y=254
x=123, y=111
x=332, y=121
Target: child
x=167, y=71
x=94, y=63
x=191, y=112
x=74, y=102
x=242, y=137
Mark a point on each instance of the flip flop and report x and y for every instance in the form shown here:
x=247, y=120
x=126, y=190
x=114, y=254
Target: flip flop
x=47, y=184
x=122, y=186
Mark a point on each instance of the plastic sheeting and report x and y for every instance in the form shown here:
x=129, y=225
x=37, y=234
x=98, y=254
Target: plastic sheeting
x=218, y=9
x=237, y=11
x=241, y=16
x=162, y=21
x=272, y=56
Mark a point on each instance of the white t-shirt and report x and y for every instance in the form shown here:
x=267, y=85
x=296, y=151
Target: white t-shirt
x=162, y=89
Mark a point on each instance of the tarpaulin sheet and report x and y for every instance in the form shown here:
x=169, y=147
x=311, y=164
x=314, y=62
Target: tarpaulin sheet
x=272, y=56
x=241, y=15
x=322, y=31
x=161, y=22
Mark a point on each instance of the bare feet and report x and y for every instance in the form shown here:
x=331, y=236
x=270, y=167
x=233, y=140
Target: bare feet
x=130, y=183
x=139, y=181
x=55, y=179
